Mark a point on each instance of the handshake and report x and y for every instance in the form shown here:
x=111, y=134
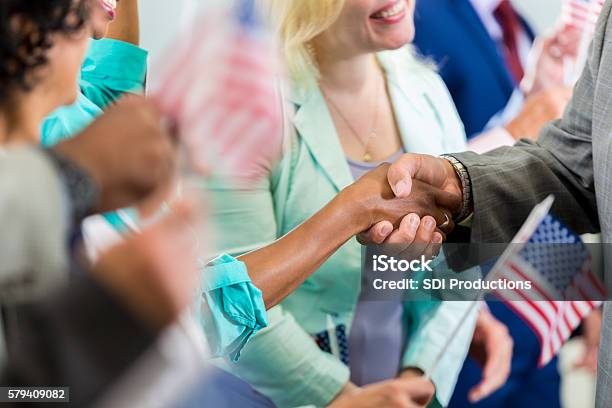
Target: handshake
x=414, y=200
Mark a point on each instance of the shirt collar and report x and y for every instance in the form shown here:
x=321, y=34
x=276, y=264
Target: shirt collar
x=485, y=10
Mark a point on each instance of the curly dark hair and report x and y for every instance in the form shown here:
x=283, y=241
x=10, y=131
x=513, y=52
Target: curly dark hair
x=26, y=32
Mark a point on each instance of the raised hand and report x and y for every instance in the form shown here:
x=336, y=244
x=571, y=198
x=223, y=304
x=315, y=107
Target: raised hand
x=539, y=109
x=492, y=349
x=128, y=152
x=548, y=60
x=591, y=336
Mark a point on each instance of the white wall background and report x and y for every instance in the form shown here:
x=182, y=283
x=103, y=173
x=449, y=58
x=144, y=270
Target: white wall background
x=542, y=14
x=160, y=18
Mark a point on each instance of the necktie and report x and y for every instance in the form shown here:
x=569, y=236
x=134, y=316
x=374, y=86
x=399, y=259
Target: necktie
x=510, y=24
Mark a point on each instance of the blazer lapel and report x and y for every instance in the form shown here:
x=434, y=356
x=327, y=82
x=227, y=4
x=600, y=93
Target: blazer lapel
x=413, y=107
x=315, y=126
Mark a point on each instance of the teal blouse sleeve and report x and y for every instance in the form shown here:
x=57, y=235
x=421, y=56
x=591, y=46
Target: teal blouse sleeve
x=231, y=309
x=111, y=69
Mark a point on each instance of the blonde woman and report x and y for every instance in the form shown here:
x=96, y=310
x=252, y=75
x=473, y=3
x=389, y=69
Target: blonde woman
x=360, y=98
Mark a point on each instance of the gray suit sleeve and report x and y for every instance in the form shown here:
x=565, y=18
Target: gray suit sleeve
x=508, y=182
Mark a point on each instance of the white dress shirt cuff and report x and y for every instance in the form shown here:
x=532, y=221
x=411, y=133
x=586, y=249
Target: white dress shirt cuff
x=491, y=139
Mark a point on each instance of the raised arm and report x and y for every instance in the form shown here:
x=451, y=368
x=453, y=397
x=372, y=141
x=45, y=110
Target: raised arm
x=126, y=27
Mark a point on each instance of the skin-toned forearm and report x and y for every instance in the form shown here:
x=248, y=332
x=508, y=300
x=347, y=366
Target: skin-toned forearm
x=282, y=266
x=127, y=25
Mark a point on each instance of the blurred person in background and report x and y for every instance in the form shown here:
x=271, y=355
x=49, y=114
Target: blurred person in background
x=356, y=107
x=84, y=335
x=114, y=66
x=505, y=82
x=39, y=309
x=44, y=78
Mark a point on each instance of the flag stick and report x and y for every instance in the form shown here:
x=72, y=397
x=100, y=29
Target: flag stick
x=518, y=242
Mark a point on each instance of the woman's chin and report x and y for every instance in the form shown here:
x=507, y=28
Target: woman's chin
x=396, y=44
x=100, y=31
x=70, y=99
x=99, y=25
x=395, y=40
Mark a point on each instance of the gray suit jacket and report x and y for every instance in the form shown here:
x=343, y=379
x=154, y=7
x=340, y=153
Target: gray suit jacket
x=572, y=160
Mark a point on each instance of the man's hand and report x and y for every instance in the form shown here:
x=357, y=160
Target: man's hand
x=550, y=59
x=416, y=169
x=399, y=393
x=492, y=349
x=154, y=273
x=128, y=152
x=435, y=171
x=540, y=108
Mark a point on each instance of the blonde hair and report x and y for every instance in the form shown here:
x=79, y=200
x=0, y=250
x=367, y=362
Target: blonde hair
x=298, y=22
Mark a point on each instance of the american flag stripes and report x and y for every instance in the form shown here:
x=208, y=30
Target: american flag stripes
x=564, y=288
x=220, y=83
x=581, y=14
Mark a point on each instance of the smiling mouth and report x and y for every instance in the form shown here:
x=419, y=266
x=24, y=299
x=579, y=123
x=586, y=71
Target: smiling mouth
x=109, y=7
x=390, y=13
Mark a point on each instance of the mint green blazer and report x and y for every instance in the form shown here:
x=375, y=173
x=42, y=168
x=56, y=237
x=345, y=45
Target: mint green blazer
x=282, y=361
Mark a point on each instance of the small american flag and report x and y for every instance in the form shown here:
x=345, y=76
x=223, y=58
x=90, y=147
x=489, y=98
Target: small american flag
x=564, y=287
x=220, y=83
x=581, y=14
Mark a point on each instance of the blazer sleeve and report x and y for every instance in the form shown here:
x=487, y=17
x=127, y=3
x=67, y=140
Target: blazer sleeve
x=508, y=182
